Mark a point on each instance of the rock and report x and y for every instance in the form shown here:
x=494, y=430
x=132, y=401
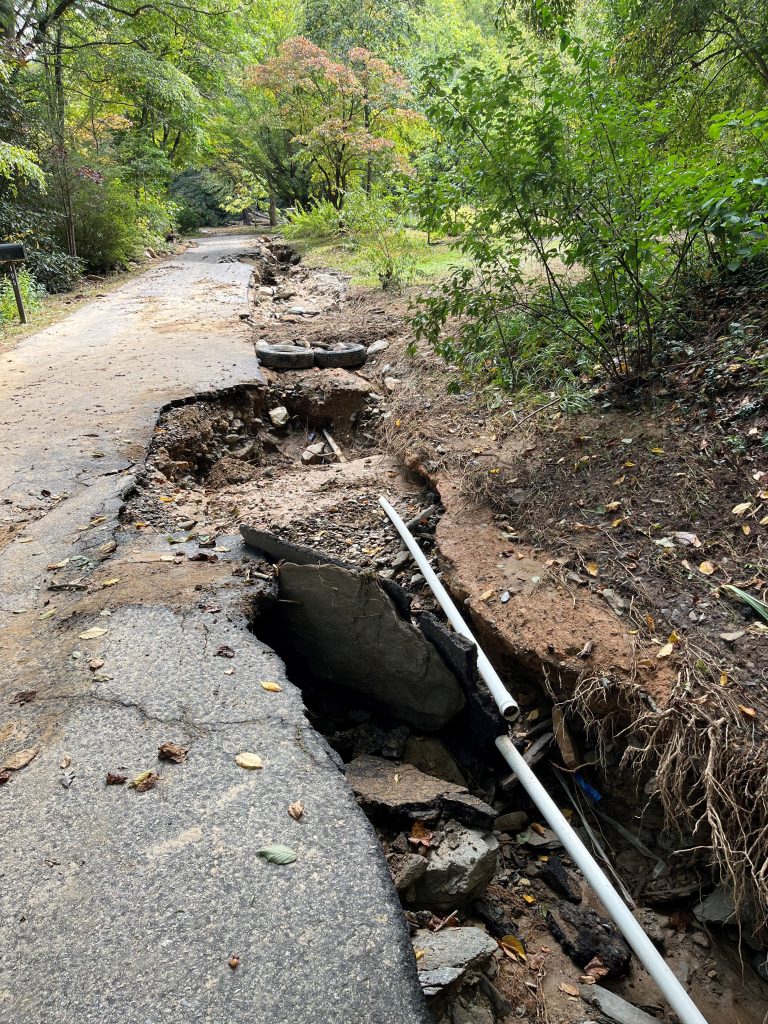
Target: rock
x=394, y=742
x=559, y=879
x=614, y=1007
x=406, y=868
x=433, y=982
x=391, y=384
x=378, y=346
x=449, y=954
x=332, y=394
x=313, y=454
x=401, y=558
x=469, y=809
x=716, y=908
x=381, y=786
x=513, y=821
x=278, y=416
x=430, y=755
x=583, y=934
x=499, y=1003
x=654, y=925
x=459, y=869
x=336, y=618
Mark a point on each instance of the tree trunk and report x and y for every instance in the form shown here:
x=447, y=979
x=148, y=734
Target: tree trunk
x=57, y=107
x=368, y=162
x=272, y=210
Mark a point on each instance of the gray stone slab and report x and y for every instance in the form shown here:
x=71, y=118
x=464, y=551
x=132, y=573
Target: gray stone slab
x=354, y=637
x=614, y=1007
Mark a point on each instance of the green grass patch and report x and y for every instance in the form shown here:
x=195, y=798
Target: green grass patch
x=430, y=261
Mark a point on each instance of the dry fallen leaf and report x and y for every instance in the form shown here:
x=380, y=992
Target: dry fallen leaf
x=420, y=835
x=296, y=810
x=740, y=509
x=91, y=634
x=147, y=780
x=65, y=762
x=613, y=506
x=707, y=568
x=570, y=990
x=225, y=652
x=20, y=759
x=486, y=596
x=115, y=779
x=172, y=752
x=665, y=651
x=4, y=777
x=95, y=664
x=650, y=623
x=418, y=953
x=748, y=711
x=723, y=678
x=112, y=582
x=530, y=900
x=250, y=761
x=271, y=687
x=511, y=943
x=596, y=968
x=234, y=962
x=592, y=568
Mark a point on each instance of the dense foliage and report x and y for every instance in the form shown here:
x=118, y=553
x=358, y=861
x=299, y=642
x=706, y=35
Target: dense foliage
x=591, y=162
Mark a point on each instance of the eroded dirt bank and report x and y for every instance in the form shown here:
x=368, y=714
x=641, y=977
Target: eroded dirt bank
x=572, y=639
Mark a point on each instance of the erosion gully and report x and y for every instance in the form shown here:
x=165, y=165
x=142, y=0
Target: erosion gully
x=503, y=926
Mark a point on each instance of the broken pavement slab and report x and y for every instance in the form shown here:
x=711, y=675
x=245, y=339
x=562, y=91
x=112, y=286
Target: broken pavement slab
x=382, y=656
x=384, y=787
x=445, y=957
x=125, y=907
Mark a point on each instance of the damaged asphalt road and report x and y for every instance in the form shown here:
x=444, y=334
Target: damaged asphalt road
x=122, y=905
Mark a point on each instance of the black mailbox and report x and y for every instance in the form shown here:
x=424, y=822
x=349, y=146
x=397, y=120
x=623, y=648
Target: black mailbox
x=12, y=252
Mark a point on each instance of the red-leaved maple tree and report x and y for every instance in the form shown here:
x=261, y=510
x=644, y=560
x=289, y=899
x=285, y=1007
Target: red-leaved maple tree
x=347, y=117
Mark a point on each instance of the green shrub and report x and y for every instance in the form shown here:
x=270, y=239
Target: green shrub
x=26, y=218
x=197, y=197
x=376, y=223
x=31, y=293
x=115, y=223
x=315, y=223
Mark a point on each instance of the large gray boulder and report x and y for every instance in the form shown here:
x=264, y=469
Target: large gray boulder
x=351, y=634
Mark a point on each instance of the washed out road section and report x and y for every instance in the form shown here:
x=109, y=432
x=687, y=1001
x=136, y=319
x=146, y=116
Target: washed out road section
x=126, y=907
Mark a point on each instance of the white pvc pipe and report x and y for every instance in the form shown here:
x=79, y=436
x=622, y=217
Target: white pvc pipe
x=507, y=705
x=647, y=953
x=650, y=957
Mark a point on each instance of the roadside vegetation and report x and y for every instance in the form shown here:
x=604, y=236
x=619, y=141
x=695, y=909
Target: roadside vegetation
x=569, y=174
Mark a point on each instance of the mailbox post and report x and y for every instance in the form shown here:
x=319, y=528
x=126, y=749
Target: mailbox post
x=13, y=253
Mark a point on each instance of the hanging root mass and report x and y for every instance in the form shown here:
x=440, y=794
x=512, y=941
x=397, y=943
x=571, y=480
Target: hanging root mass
x=708, y=769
